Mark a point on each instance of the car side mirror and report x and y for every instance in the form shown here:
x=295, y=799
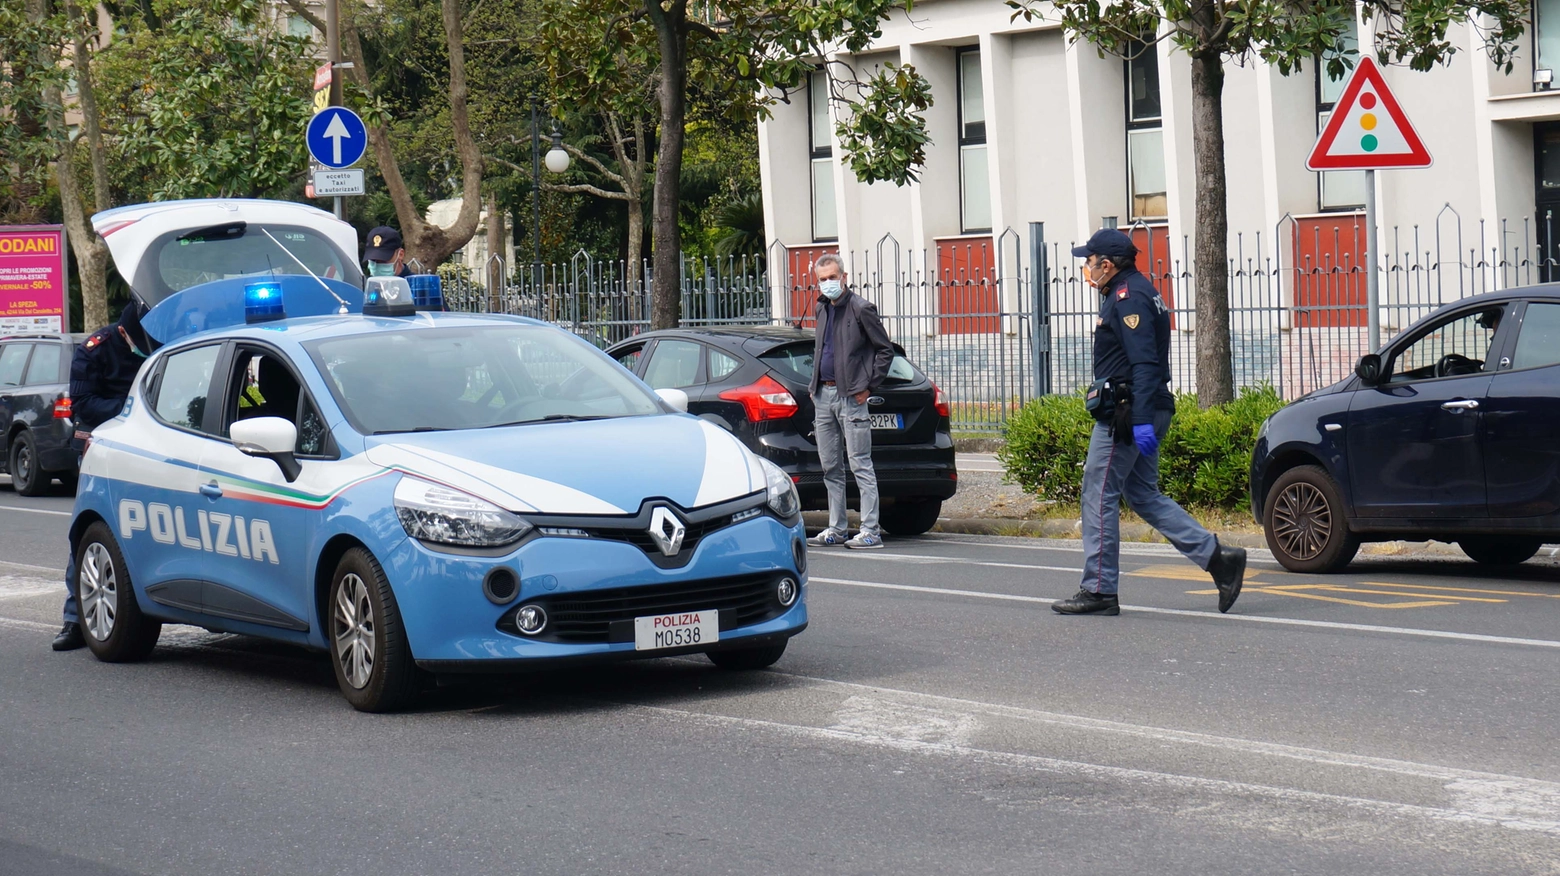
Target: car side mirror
x=676, y=398
x=270, y=438
x=1369, y=369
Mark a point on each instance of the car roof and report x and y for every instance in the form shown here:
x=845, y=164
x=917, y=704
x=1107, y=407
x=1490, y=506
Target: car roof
x=777, y=333
x=73, y=337
x=311, y=328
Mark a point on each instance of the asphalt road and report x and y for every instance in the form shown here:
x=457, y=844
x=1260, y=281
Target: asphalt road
x=936, y=718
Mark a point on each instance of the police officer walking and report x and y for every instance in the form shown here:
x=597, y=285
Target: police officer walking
x=1132, y=406
x=101, y=372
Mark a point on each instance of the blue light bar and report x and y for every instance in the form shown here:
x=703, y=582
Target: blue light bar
x=263, y=302
x=427, y=291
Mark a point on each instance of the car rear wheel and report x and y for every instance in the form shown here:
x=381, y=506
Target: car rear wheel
x=747, y=659
x=1498, y=550
x=910, y=516
x=26, y=477
x=1306, y=527
x=368, y=646
x=111, y=620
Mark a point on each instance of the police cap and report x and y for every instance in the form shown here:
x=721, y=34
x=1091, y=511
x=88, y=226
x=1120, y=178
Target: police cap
x=1107, y=242
x=382, y=244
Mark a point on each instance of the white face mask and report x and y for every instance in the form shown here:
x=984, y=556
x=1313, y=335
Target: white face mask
x=831, y=289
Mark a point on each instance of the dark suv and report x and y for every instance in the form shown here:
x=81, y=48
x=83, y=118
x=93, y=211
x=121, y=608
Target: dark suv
x=35, y=421
x=753, y=380
x=1451, y=432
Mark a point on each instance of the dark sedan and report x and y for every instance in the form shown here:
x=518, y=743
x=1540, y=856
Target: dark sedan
x=1449, y=433
x=753, y=380
x=35, y=422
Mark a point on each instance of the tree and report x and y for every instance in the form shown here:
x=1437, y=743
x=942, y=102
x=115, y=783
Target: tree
x=1286, y=35
x=89, y=248
x=740, y=51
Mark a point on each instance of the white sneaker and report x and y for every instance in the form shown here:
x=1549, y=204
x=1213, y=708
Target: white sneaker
x=865, y=541
x=828, y=538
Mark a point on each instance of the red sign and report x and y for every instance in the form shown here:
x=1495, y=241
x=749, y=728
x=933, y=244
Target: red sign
x=1367, y=129
x=33, y=279
x=321, y=77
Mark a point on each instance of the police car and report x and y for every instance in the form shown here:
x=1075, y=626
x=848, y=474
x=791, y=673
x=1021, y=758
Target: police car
x=414, y=492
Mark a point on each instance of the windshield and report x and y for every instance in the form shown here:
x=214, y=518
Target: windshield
x=181, y=259
x=472, y=378
x=797, y=359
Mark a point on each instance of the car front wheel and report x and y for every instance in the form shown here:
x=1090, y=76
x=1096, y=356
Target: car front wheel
x=910, y=516
x=368, y=646
x=26, y=476
x=1306, y=527
x=744, y=659
x=1499, y=551
x=111, y=620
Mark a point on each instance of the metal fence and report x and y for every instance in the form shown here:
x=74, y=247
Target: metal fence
x=996, y=321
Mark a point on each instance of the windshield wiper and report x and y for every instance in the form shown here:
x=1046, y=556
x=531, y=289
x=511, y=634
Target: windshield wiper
x=552, y=418
x=417, y=429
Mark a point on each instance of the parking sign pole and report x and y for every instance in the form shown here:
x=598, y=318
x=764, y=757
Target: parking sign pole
x=333, y=56
x=1372, y=278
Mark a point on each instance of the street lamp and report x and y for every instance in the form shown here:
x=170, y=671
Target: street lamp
x=557, y=162
x=557, y=159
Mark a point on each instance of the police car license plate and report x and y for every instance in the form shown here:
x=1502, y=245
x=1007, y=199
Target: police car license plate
x=888, y=421
x=676, y=630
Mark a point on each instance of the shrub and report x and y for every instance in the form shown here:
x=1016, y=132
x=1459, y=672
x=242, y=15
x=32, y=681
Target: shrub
x=1204, y=460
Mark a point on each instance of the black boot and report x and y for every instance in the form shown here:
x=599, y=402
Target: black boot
x=1084, y=602
x=1228, y=568
x=69, y=638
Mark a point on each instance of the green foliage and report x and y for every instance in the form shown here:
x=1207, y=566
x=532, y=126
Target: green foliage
x=1204, y=459
x=739, y=226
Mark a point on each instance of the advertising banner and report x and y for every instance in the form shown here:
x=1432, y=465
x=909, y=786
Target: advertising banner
x=33, y=279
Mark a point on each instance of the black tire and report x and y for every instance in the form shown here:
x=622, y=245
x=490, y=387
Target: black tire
x=111, y=620
x=383, y=677
x=1497, y=550
x=26, y=477
x=910, y=516
x=747, y=659
x=1306, y=526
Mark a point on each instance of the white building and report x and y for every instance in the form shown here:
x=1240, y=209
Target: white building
x=1027, y=128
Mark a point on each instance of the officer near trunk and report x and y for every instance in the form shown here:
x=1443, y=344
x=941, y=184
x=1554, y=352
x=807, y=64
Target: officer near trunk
x=1132, y=406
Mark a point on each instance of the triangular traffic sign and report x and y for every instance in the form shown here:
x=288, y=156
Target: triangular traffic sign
x=1367, y=129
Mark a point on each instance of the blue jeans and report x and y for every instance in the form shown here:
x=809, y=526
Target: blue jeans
x=843, y=430
x=71, y=614
x=1116, y=470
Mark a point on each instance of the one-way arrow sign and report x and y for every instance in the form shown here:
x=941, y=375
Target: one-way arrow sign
x=337, y=137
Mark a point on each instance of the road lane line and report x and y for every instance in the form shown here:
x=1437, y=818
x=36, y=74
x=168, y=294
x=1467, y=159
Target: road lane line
x=932, y=560
x=1210, y=615
x=1472, y=809
x=35, y=510
x=19, y=624
x=30, y=566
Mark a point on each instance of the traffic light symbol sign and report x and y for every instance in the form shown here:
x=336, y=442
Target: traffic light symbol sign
x=1367, y=128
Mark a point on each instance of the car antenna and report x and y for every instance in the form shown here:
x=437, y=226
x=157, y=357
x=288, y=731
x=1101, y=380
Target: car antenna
x=323, y=284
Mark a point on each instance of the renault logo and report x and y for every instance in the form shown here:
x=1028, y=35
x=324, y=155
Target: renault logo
x=667, y=530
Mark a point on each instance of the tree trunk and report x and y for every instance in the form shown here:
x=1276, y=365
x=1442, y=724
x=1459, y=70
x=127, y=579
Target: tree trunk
x=494, y=270
x=81, y=60
x=1215, y=381
x=666, y=244
x=90, y=250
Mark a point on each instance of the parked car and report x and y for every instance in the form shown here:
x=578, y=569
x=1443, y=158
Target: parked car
x=35, y=421
x=1448, y=433
x=753, y=381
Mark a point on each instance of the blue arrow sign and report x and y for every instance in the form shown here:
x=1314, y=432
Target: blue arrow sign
x=337, y=137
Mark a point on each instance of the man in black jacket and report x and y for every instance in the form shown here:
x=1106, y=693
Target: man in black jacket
x=851, y=356
x=1132, y=351
x=101, y=372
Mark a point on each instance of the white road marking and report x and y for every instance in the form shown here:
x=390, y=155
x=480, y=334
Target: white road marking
x=17, y=623
x=932, y=560
x=31, y=567
x=1479, y=809
x=1210, y=615
x=18, y=586
x=34, y=510
x=875, y=717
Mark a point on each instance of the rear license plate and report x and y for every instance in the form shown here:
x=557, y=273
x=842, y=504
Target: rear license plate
x=676, y=630
x=888, y=421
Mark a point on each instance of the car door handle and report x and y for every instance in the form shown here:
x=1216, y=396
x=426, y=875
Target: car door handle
x=1461, y=405
x=211, y=490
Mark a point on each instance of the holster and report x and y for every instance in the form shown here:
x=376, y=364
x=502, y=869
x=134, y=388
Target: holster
x=1121, y=416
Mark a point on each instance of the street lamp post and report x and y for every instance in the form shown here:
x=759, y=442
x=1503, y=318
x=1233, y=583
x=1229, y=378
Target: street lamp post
x=557, y=162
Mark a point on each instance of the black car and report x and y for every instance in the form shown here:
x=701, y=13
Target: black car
x=753, y=380
x=35, y=421
x=1451, y=432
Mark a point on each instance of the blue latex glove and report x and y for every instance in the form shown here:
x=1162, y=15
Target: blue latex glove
x=1147, y=442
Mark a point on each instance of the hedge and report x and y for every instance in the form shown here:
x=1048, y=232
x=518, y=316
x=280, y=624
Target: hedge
x=1204, y=460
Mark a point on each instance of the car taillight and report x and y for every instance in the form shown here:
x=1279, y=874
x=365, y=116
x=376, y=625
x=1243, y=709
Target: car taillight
x=62, y=408
x=940, y=401
x=764, y=400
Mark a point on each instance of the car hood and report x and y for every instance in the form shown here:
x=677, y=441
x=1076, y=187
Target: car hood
x=593, y=467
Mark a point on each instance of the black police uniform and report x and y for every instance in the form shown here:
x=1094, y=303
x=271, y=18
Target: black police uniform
x=101, y=372
x=1132, y=344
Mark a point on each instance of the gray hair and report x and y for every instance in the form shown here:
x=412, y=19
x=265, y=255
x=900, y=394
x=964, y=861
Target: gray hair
x=828, y=258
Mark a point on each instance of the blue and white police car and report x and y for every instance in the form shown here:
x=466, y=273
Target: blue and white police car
x=414, y=492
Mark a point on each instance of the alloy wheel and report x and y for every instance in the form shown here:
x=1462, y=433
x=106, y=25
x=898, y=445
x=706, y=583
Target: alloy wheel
x=99, y=592
x=354, y=631
x=1302, y=520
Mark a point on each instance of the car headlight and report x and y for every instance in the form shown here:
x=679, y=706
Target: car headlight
x=429, y=512
x=782, y=492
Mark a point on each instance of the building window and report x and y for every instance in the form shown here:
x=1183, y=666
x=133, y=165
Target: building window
x=1145, y=134
x=299, y=26
x=1337, y=189
x=820, y=146
x=1546, y=39
x=974, y=169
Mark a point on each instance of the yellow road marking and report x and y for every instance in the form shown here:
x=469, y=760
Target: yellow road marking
x=1464, y=590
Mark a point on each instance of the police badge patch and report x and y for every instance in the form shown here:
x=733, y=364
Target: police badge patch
x=1131, y=320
